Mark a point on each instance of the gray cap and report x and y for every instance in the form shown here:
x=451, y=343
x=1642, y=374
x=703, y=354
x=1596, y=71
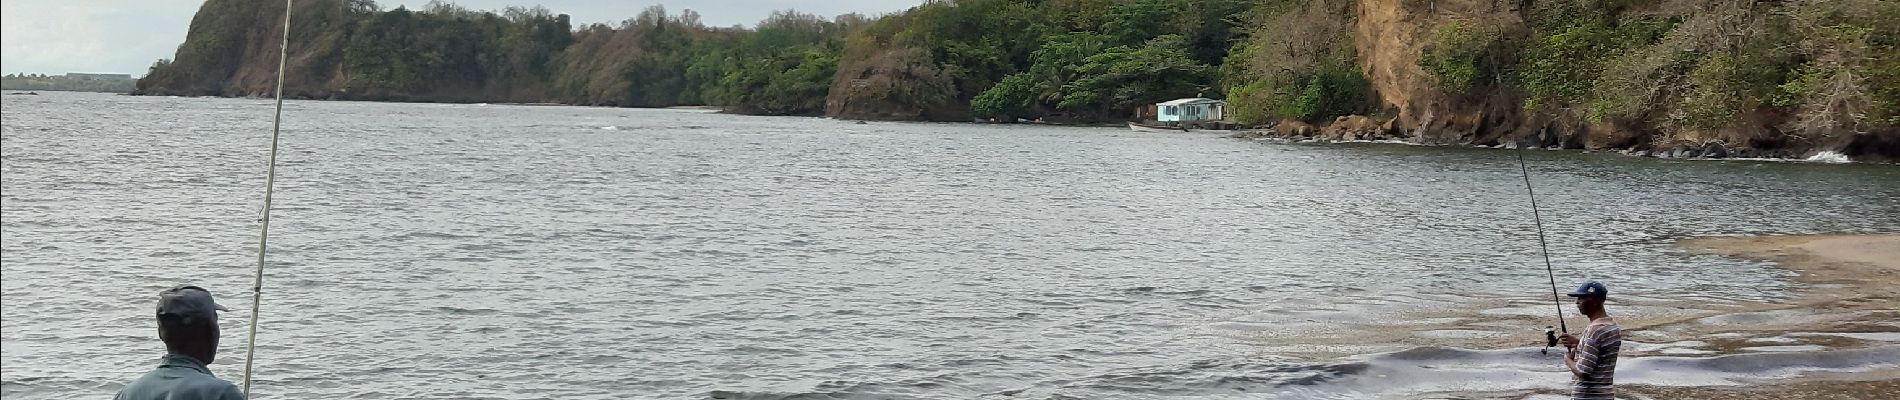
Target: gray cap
x=189, y=303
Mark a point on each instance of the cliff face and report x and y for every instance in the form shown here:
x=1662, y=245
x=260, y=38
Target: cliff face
x=232, y=48
x=223, y=42
x=1389, y=38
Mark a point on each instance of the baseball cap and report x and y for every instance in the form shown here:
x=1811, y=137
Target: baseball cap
x=188, y=303
x=1590, y=289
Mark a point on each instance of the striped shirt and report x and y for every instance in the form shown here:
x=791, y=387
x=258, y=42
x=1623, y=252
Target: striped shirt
x=1593, y=375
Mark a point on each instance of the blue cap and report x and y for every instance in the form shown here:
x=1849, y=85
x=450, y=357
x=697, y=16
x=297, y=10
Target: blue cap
x=1590, y=289
x=190, y=304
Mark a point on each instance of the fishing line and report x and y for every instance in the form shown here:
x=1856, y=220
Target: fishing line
x=1541, y=243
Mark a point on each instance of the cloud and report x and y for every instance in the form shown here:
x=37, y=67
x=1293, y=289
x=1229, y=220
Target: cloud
x=125, y=36
x=90, y=36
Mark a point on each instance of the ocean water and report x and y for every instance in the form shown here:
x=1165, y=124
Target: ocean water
x=525, y=252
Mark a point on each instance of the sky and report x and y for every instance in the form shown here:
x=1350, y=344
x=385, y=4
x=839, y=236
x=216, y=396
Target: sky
x=126, y=36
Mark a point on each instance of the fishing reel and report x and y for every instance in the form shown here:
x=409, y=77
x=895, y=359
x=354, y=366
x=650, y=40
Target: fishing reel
x=1550, y=339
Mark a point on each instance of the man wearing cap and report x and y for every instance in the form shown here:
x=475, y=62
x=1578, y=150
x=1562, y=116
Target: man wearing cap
x=1592, y=359
x=188, y=324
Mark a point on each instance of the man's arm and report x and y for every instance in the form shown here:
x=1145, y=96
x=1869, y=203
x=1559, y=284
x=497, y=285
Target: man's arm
x=1570, y=361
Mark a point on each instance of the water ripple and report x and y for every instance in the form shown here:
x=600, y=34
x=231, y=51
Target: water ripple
x=431, y=251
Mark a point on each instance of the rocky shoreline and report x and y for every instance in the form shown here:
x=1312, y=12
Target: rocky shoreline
x=1875, y=147
x=1869, y=147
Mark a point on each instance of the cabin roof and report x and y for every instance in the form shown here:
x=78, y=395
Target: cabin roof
x=1189, y=101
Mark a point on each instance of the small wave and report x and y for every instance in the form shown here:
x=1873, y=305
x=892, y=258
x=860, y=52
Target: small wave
x=1830, y=157
x=1152, y=290
x=466, y=311
x=1201, y=378
x=610, y=128
x=1386, y=141
x=1435, y=354
x=430, y=235
x=1868, y=336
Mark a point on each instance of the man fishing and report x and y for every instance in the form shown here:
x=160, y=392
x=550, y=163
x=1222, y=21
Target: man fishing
x=1592, y=359
x=188, y=324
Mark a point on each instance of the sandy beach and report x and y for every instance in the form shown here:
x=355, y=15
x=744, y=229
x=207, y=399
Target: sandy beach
x=1835, y=266
x=1843, y=299
x=1854, y=278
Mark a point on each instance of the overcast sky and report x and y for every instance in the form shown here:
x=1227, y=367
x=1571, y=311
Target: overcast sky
x=125, y=36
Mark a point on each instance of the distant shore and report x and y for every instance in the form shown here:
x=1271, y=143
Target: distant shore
x=1863, y=149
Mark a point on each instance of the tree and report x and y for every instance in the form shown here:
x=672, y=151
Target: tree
x=1015, y=96
x=1123, y=77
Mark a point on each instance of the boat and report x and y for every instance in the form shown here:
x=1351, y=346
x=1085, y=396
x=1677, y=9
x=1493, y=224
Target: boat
x=1141, y=127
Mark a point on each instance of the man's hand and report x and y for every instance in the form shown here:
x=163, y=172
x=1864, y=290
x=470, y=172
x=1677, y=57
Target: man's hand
x=1570, y=342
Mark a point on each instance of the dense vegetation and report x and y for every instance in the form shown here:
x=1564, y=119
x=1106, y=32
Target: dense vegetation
x=1069, y=59
x=1299, y=64
x=1833, y=65
x=66, y=83
x=1753, y=71
x=354, y=49
x=1092, y=59
x=1742, y=72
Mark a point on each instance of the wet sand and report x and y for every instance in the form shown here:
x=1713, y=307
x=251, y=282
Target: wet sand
x=1842, y=265
x=1848, y=286
x=1857, y=275
x=1870, y=386
x=1845, y=299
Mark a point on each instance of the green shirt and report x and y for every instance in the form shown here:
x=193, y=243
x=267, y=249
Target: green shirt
x=179, y=377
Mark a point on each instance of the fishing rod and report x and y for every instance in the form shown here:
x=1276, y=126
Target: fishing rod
x=1542, y=244
x=270, y=181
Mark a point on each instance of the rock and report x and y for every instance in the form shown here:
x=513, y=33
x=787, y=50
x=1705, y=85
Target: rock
x=1293, y=128
x=1534, y=140
x=1351, y=127
x=1684, y=151
x=1874, y=146
x=1248, y=134
x=1572, y=142
x=1714, y=150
